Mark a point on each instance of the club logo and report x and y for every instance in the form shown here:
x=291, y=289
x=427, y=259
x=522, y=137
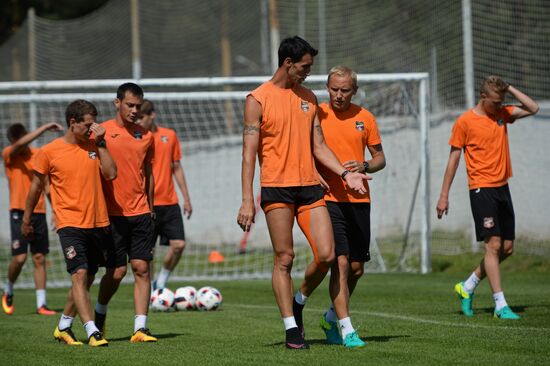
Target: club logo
x=138, y=135
x=488, y=222
x=115, y=135
x=478, y=190
x=70, y=253
x=164, y=139
x=359, y=125
x=500, y=122
x=16, y=244
x=305, y=106
x=92, y=155
x=15, y=215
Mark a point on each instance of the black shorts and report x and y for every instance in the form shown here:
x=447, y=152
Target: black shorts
x=168, y=224
x=85, y=248
x=133, y=239
x=39, y=243
x=351, y=226
x=493, y=213
x=299, y=196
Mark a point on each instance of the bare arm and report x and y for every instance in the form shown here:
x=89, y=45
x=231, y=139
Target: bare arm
x=378, y=161
x=37, y=187
x=325, y=156
x=450, y=171
x=251, y=140
x=179, y=175
x=106, y=163
x=528, y=106
x=31, y=136
x=149, y=186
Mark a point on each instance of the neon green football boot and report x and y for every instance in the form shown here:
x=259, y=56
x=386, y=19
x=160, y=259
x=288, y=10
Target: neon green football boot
x=331, y=331
x=465, y=299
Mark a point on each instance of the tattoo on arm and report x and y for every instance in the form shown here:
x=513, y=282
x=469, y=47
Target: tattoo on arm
x=319, y=132
x=250, y=129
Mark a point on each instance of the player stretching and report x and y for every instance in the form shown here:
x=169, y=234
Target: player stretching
x=130, y=206
x=483, y=134
x=281, y=126
x=73, y=164
x=348, y=129
x=168, y=218
x=18, y=158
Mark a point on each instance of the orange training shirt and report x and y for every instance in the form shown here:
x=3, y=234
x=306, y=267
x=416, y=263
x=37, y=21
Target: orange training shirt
x=167, y=151
x=285, y=151
x=131, y=146
x=484, y=140
x=347, y=134
x=75, y=183
x=19, y=174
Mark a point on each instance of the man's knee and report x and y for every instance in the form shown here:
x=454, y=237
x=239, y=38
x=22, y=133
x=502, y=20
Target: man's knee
x=116, y=274
x=284, y=260
x=140, y=268
x=39, y=259
x=20, y=259
x=508, y=249
x=177, y=246
x=357, y=270
x=493, y=244
x=325, y=260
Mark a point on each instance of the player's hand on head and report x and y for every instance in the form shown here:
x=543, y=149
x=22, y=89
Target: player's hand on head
x=442, y=207
x=98, y=130
x=246, y=215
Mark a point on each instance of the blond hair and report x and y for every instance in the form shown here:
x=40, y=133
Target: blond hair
x=493, y=83
x=342, y=70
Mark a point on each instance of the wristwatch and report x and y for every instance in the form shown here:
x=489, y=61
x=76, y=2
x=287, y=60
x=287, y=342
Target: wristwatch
x=365, y=166
x=101, y=143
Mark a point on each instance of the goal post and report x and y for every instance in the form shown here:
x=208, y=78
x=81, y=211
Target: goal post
x=199, y=109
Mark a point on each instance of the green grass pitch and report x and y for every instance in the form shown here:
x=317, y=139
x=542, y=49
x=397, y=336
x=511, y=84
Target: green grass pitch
x=405, y=318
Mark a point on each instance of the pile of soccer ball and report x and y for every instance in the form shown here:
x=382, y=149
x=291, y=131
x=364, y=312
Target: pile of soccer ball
x=186, y=298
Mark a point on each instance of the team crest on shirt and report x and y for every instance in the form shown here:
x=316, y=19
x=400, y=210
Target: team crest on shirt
x=305, y=106
x=500, y=122
x=488, y=222
x=16, y=244
x=138, y=135
x=359, y=125
x=70, y=252
x=164, y=139
x=92, y=155
x=15, y=215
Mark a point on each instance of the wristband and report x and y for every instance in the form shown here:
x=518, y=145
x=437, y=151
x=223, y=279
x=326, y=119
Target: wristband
x=365, y=165
x=101, y=143
x=343, y=175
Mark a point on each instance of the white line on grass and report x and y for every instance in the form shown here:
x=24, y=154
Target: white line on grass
x=405, y=318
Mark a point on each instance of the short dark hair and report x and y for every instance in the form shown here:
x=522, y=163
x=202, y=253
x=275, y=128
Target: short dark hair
x=133, y=88
x=295, y=48
x=78, y=109
x=147, y=107
x=16, y=131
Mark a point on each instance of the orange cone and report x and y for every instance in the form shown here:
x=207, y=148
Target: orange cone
x=215, y=257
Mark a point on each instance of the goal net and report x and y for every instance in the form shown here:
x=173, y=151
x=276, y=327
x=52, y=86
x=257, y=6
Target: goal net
x=207, y=115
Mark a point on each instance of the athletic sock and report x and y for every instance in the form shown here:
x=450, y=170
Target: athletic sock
x=90, y=328
x=345, y=326
x=65, y=322
x=140, y=321
x=40, y=298
x=330, y=315
x=163, y=277
x=100, y=308
x=500, y=301
x=8, y=288
x=471, y=283
x=289, y=322
x=300, y=298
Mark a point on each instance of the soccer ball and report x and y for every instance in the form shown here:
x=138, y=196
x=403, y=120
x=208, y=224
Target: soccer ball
x=162, y=299
x=208, y=298
x=185, y=298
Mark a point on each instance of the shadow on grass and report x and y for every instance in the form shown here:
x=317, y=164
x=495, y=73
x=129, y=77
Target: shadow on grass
x=159, y=336
x=366, y=339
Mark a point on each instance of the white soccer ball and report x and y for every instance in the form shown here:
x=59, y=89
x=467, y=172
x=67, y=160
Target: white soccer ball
x=185, y=298
x=208, y=298
x=162, y=299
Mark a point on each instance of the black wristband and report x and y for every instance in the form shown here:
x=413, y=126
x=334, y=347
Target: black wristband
x=343, y=175
x=365, y=165
x=101, y=143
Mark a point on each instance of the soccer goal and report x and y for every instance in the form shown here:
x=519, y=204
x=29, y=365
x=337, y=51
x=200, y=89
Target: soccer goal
x=207, y=115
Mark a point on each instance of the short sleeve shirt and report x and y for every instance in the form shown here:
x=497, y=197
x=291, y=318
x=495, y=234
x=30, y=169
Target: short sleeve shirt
x=347, y=134
x=167, y=151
